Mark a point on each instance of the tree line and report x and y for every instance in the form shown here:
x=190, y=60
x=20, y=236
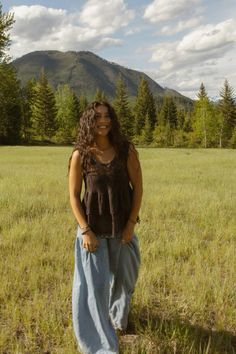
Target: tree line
x=38, y=113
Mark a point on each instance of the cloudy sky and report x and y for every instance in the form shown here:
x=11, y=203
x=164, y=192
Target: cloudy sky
x=178, y=43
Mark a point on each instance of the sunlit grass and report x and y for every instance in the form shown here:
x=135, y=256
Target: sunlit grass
x=184, y=300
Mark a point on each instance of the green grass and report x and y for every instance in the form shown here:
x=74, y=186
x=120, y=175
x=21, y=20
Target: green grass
x=184, y=300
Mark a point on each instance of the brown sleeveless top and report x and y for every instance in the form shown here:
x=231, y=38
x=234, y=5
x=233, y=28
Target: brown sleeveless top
x=107, y=198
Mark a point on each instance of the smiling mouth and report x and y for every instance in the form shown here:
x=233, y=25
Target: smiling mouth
x=103, y=126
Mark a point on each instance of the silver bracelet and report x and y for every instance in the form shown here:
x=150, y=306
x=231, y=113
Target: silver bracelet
x=84, y=227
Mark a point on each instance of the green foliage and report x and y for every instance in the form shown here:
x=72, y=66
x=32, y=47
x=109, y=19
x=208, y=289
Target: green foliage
x=144, y=105
x=10, y=105
x=205, y=123
x=10, y=111
x=6, y=22
x=43, y=109
x=180, y=119
x=187, y=125
x=168, y=114
x=100, y=96
x=162, y=136
x=202, y=92
x=147, y=130
x=122, y=109
x=83, y=102
x=232, y=141
x=68, y=113
x=227, y=109
x=27, y=93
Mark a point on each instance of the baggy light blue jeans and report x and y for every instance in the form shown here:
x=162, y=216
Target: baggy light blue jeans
x=103, y=284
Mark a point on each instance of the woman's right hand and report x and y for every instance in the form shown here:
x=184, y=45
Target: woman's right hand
x=90, y=241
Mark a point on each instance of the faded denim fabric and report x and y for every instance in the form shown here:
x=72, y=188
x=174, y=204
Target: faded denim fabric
x=103, y=284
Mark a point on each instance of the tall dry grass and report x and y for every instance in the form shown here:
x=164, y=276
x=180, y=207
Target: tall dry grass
x=185, y=296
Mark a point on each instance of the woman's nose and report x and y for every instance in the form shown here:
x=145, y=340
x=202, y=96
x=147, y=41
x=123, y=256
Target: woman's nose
x=104, y=119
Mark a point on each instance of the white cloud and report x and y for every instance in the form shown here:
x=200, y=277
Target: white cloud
x=106, y=16
x=181, y=25
x=204, y=55
x=131, y=31
x=164, y=10
x=41, y=28
x=199, y=46
x=34, y=22
x=210, y=37
x=174, y=16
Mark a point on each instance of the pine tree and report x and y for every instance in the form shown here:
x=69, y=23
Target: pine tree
x=204, y=120
x=43, y=109
x=10, y=105
x=10, y=112
x=6, y=22
x=100, y=96
x=180, y=119
x=147, y=131
x=76, y=108
x=144, y=104
x=121, y=106
x=202, y=92
x=83, y=103
x=187, y=125
x=168, y=113
x=27, y=93
x=67, y=113
x=227, y=108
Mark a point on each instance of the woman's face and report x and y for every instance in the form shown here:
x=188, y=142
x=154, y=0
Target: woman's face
x=103, y=121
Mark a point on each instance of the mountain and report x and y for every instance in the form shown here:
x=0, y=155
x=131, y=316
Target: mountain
x=84, y=72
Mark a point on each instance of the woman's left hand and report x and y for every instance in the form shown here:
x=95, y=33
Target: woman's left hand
x=128, y=233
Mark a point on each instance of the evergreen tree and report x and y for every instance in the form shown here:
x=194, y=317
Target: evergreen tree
x=6, y=22
x=233, y=139
x=83, y=103
x=10, y=105
x=144, y=105
x=43, y=109
x=147, y=131
x=227, y=117
x=180, y=119
x=27, y=93
x=168, y=113
x=76, y=109
x=168, y=120
x=100, y=96
x=10, y=113
x=67, y=113
x=152, y=114
x=204, y=120
x=187, y=126
x=202, y=92
x=122, y=109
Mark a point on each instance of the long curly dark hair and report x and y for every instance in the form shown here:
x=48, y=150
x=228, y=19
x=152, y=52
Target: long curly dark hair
x=86, y=134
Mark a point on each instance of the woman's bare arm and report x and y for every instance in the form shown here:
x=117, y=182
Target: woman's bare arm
x=75, y=186
x=135, y=175
x=90, y=241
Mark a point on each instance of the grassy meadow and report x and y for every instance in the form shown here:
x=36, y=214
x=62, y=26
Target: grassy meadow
x=185, y=298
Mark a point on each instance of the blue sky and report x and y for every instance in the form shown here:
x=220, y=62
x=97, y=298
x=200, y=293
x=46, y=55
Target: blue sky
x=178, y=43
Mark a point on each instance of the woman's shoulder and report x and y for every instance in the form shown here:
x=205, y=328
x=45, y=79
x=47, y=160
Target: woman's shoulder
x=132, y=151
x=76, y=157
x=76, y=154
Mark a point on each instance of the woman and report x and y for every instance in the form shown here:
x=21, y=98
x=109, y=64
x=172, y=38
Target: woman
x=106, y=248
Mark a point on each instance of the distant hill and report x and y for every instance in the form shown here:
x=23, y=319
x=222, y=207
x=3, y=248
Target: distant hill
x=85, y=72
